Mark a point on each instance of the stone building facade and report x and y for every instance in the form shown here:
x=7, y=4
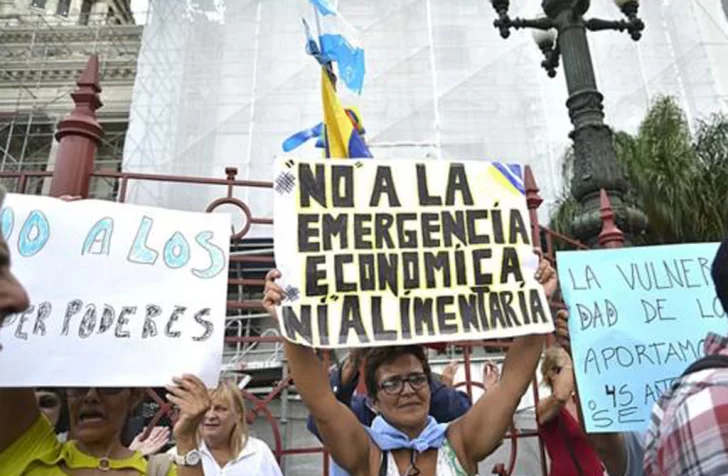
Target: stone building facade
x=44, y=44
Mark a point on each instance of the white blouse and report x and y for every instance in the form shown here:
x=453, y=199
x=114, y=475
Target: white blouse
x=255, y=459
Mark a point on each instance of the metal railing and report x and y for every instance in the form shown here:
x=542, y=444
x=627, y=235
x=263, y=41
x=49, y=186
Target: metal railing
x=241, y=346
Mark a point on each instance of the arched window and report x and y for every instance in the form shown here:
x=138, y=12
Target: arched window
x=85, y=12
x=63, y=7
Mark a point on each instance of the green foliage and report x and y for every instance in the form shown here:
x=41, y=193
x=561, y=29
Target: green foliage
x=679, y=179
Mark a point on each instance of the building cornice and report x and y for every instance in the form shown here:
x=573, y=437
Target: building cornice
x=63, y=73
x=23, y=35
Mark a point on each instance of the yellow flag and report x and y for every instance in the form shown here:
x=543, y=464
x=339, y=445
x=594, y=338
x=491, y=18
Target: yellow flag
x=341, y=138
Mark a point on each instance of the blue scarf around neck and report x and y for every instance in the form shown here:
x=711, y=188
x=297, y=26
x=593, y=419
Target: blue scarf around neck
x=388, y=438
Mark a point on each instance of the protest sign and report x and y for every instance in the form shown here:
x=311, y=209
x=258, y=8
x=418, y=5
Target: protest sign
x=377, y=252
x=638, y=317
x=120, y=295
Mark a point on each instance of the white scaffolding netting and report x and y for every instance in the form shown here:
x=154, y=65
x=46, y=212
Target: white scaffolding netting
x=223, y=83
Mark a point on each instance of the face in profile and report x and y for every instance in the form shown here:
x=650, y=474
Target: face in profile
x=403, y=395
x=557, y=360
x=99, y=414
x=220, y=420
x=50, y=404
x=13, y=298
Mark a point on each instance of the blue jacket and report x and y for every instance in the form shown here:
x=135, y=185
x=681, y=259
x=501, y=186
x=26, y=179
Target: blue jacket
x=446, y=404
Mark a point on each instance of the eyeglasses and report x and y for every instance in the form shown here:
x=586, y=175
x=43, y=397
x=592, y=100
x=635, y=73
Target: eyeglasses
x=395, y=385
x=77, y=392
x=48, y=401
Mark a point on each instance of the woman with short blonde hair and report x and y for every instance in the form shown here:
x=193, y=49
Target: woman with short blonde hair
x=558, y=420
x=224, y=440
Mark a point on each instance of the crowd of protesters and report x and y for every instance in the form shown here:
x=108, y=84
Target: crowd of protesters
x=409, y=421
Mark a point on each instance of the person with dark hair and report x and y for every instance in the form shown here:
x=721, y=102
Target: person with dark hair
x=719, y=273
x=386, y=355
x=404, y=439
x=446, y=404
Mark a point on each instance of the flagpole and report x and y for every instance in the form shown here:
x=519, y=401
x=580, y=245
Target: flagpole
x=329, y=67
x=318, y=25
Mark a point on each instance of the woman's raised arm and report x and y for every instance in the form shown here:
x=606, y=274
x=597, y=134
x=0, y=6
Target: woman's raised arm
x=342, y=434
x=18, y=411
x=18, y=408
x=480, y=431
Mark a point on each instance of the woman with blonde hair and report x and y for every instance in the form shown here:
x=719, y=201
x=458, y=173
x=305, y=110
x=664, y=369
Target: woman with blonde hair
x=225, y=445
x=558, y=420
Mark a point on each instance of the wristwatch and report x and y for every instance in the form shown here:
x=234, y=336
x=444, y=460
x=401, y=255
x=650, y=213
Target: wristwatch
x=192, y=458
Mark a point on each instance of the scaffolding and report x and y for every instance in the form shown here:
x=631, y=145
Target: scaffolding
x=440, y=82
x=42, y=54
x=223, y=83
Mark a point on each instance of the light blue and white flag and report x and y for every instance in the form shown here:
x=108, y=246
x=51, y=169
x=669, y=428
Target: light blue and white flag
x=339, y=42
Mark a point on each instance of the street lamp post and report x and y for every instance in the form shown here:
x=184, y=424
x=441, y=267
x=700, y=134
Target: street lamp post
x=561, y=35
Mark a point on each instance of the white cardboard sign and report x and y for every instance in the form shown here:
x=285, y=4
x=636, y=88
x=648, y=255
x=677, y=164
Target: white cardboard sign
x=120, y=295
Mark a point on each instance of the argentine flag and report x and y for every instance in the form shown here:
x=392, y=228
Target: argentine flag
x=339, y=42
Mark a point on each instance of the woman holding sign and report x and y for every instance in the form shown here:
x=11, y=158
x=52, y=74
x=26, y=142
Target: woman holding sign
x=558, y=420
x=403, y=438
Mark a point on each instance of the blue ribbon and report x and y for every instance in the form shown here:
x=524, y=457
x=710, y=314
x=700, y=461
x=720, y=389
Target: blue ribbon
x=390, y=438
x=300, y=138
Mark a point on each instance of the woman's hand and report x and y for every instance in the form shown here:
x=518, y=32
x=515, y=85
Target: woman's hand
x=70, y=198
x=562, y=330
x=155, y=441
x=273, y=293
x=546, y=275
x=491, y=375
x=447, y=377
x=193, y=400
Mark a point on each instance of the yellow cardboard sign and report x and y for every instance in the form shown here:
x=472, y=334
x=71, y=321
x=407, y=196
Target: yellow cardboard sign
x=384, y=252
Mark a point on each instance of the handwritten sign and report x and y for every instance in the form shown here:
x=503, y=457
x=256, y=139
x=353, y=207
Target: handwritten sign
x=381, y=252
x=120, y=295
x=638, y=317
